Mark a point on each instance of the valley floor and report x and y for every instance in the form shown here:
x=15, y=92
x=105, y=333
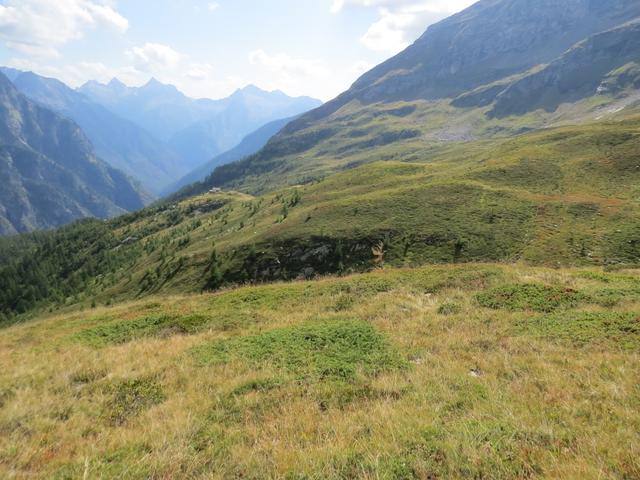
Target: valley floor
x=460, y=371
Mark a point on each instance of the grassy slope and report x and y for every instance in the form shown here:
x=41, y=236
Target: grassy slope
x=566, y=196
x=474, y=371
x=359, y=134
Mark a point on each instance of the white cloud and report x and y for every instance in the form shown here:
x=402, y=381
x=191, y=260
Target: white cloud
x=442, y=6
x=389, y=33
x=400, y=21
x=213, y=6
x=153, y=57
x=302, y=76
x=200, y=71
x=288, y=66
x=337, y=6
x=41, y=27
x=106, y=15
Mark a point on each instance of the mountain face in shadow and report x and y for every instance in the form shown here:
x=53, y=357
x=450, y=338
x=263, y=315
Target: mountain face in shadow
x=49, y=173
x=121, y=143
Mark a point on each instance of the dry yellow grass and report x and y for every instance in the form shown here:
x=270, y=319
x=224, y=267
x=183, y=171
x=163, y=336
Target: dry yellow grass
x=479, y=395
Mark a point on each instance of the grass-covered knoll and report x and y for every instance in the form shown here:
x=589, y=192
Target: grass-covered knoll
x=565, y=196
x=399, y=373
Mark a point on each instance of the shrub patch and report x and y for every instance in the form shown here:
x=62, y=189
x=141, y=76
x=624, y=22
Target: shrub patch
x=581, y=328
x=335, y=350
x=529, y=296
x=449, y=309
x=149, y=326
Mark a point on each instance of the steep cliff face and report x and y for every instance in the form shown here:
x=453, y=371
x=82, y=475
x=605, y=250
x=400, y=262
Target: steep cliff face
x=48, y=171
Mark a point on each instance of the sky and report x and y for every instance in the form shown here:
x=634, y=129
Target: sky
x=210, y=48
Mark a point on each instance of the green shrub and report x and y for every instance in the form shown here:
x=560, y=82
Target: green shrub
x=529, y=296
x=344, y=302
x=582, y=328
x=149, y=326
x=335, y=350
x=86, y=376
x=610, y=297
x=5, y=395
x=259, y=385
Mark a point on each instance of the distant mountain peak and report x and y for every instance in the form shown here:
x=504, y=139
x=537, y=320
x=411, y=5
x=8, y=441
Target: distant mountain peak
x=156, y=86
x=10, y=73
x=251, y=88
x=116, y=83
x=248, y=90
x=90, y=83
x=153, y=81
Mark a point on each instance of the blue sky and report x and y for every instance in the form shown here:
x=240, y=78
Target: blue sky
x=209, y=48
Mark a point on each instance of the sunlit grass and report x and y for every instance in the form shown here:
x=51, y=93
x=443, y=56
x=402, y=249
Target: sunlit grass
x=367, y=376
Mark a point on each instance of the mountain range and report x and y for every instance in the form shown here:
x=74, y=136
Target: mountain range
x=129, y=148
x=448, y=123
x=123, y=144
x=197, y=129
x=50, y=174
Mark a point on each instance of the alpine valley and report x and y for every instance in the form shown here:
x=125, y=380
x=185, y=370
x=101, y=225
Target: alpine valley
x=435, y=275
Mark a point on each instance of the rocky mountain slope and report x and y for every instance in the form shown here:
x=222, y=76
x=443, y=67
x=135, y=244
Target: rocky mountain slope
x=120, y=142
x=49, y=173
x=579, y=73
x=491, y=40
x=198, y=129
